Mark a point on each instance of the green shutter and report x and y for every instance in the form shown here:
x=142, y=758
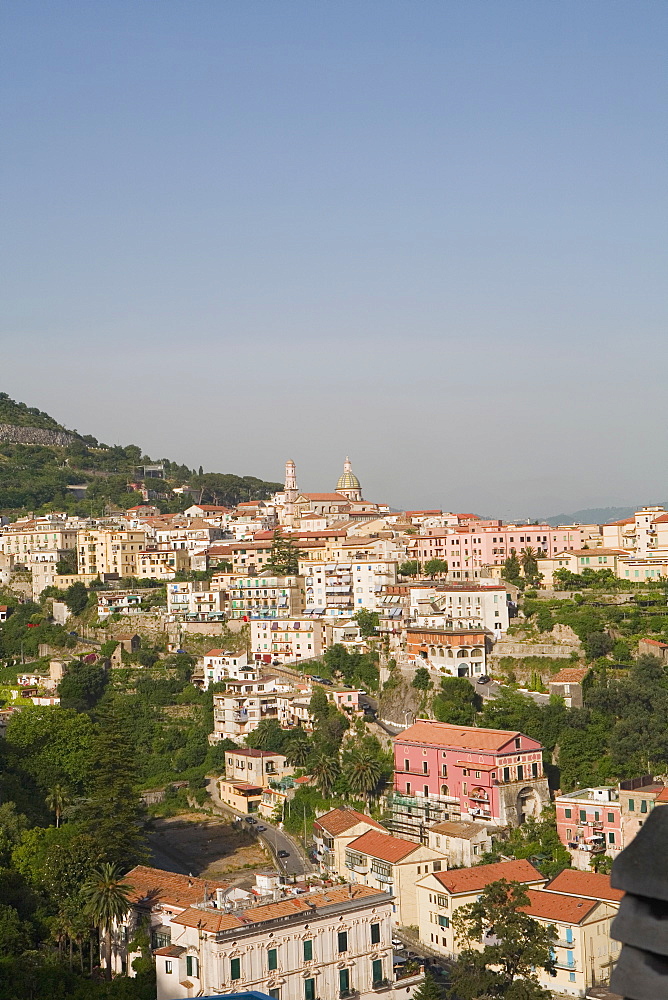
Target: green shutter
x=272, y=959
x=344, y=980
x=235, y=968
x=343, y=941
x=377, y=970
x=375, y=933
x=308, y=950
x=189, y=965
x=309, y=989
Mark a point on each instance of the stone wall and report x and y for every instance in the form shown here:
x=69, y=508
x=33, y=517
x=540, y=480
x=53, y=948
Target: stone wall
x=35, y=435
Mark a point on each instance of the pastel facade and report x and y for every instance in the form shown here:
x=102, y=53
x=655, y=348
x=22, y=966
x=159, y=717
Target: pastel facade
x=266, y=597
x=589, y=821
x=334, y=831
x=287, y=640
x=445, y=772
x=462, y=843
x=258, y=767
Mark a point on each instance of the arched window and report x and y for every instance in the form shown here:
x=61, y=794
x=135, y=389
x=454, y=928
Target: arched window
x=463, y=653
x=444, y=790
x=476, y=652
x=450, y=653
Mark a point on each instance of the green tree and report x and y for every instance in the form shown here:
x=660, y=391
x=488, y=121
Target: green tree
x=514, y=947
x=319, y=706
x=598, y=644
x=429, y=989
x=113, y=812
x=298, y=749
x=107, y=901
x=368, y=622
x=284, y=556
x=76, y=597
x=325, y=770
x=57, y=799
x=512, y=569
x=435, y=567
x=409, y=568
x=457, y=702
x=268, y=736
x=362, y=772
x=422, y=680
x=14, y=932
x=82, y=686
x=12, y=827
x=529, y=564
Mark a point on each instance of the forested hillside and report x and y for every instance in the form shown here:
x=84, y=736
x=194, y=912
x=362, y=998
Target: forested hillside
x=35, y=477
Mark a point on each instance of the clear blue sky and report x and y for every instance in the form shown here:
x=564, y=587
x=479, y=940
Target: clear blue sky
x=428, y=234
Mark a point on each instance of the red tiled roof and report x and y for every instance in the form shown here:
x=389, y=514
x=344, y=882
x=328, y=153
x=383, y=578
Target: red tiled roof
x=572, y=675
x=662, y=796
x=555, y=906
x=475, y=879
x=325, y=496
x=339, y=820
x=652, y=642
x=170, y=951
x=574, y=882
x=457, y=737
x=208, y=920
x=154, y=885
x=383, y=846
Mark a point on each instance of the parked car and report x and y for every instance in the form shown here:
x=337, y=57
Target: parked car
x=284, y=854
x=261, y=829
x=484, y=679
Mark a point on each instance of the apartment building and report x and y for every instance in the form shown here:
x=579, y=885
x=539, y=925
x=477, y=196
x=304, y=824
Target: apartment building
x=109, y=550
x=343, y=587
x=239, y=709
x=605, y=820
x=161, y=562
x=326, y=943
x=455, y=649
x=287, y=640
x=462, y=843
x=190, y=600
x=391, y=864
x=266, y=596
x=334, y=831
x=219, y=665
x=485, y=606
x=440, y=894
x=445, y=772
x=52, y=533
x=258, y=767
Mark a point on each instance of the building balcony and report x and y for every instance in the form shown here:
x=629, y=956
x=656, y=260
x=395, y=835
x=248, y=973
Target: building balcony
x=479, y=797
x=380, y=984
x=388, y=879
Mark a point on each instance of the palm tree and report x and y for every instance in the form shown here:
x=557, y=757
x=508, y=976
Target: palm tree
x=363, y=772
x=299, y=749
x=107, y=902
x=57, y=799
x=325, y=770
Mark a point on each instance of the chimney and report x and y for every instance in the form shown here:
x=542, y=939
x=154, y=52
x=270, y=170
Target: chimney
x=220, y=893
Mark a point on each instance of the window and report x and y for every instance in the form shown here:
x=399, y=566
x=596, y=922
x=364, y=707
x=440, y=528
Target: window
x=308, y=950
x=192, y=966
x=583, y=815
x=309, y=989
x=520, y=773
x=443, y=921
x=611, y=817
x=437, y=866
x=235, y=969
x=168, y=967
x=643, y=805
x=611, y=837
x=632, y=805
x=442, y=901
x=375, y=933
x=425, y=767
x=275, y=993
x=569, y=935
x=571, y=977
x=377, y=970
x=506, y=774
x=272, y=959
x=344, y=981
x=343, y=941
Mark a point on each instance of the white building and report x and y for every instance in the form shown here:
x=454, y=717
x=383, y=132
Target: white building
x=328, y=943
x=287, y=640
x=343, y=587
x=220, y=665
x=190, y=600
x=485, y=606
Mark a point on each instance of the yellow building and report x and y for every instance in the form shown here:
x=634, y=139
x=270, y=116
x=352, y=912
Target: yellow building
x=109, y=550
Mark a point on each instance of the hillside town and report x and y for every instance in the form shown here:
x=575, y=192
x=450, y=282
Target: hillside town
x=355, y=659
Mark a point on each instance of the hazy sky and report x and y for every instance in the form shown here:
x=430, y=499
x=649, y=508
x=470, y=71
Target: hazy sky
x=431, y=235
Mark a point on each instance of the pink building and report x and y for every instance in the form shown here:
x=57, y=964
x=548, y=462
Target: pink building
x=589, y=821
x=466, y=549
x=445, y=772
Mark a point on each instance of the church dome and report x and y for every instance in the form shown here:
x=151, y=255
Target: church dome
x=348, y=481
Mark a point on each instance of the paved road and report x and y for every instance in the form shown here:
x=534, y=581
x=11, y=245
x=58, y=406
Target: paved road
x=276, y=840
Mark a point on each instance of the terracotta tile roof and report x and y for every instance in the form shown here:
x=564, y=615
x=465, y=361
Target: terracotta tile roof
x=598, y=552
x=170, y=951
x=157, y=886
x=572, y=675
x=661, y=519
x=383, y=846
x=339, y=820
x=475, y=879
x=652, y=642
x=663, y=795
x=246, y=752
x=208, y=920
x=457, y=737
x=455, y=828
x=555, y=906
x=590, y=884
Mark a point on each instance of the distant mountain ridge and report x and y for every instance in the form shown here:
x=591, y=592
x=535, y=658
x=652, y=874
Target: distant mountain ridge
x=595, y=515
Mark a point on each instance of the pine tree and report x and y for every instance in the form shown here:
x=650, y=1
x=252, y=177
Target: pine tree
x=114, y=814
x=428, y=989
x=284, y=557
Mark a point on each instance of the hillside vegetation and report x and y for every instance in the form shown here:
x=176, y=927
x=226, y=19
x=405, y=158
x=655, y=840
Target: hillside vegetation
x=35, y=477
